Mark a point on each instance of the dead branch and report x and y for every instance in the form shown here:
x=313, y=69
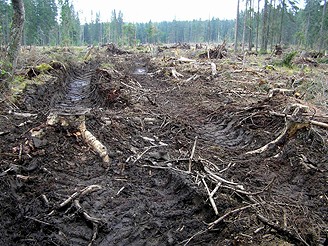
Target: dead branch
x=24, y=115
x=317, y=123
x=273, y=142
x=194, y=77
x=85, y=214
x=313, y=122
x=213, y=67
x=78, y=195
x=192, y=153
x=212, y=224
x=175, y=74
x=218, y=178
x=74, y=199
x=282, y=231
x=88, y=53
x=187, y=241
x=211, y=194
x=184, y=59
x=217, y=53
x=276, y=91
x=96, y=145
x=144, y=152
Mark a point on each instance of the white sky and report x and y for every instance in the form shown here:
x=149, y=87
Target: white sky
x=156, y=11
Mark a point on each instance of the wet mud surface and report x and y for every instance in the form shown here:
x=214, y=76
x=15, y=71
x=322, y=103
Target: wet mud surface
x=171, y=143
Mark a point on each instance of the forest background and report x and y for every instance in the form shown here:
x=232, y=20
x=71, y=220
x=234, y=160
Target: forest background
x=50, y=23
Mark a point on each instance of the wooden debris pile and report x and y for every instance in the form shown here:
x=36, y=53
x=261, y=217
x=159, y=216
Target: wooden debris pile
x=113, y=49
x=218, y=52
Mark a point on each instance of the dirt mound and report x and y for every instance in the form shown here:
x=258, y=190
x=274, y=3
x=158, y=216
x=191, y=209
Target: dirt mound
x=199, y=159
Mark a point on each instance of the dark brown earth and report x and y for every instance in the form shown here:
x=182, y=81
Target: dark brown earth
x=155, y=126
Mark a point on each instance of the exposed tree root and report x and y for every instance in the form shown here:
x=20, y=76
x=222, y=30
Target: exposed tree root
x=78, y=122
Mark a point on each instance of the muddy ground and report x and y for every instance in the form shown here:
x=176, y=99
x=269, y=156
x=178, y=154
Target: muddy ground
x=197, y=157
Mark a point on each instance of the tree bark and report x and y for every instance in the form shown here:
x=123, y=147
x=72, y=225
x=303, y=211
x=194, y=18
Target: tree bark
x=16, y=34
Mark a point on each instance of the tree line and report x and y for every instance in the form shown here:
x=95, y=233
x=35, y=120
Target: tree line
x=259, y=24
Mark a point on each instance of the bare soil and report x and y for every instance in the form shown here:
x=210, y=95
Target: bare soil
x=156, y=127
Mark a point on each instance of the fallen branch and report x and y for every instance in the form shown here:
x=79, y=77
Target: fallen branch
x=187, y=241
x=144, y=152
x=184, y=59
x=24, y=115
x=282, y=231
x=194, y=77
x=276, y=91
x=273, y=142
x=212, y=224
x=313, y=122
x=213, y=67
x=218, y=178
x=211, y=194
x=74, y=199
x=176, y=74
x=192, y=154
x=77, y=195
x=317, y=123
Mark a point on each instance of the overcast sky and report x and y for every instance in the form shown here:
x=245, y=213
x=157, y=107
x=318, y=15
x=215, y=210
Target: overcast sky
x=146, y=10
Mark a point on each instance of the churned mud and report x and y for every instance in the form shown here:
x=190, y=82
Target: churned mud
x=196, y=156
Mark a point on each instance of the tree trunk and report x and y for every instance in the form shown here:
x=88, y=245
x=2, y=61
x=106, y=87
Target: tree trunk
x=281, y=21
x=264, y=41
x=250, y=27
x=269, y=23
x=245, y=22
x=322, y=25
x=236, y=27
x=257, y=25
x=16, y=34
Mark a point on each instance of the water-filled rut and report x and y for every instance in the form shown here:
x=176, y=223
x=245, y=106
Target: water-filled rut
x=75, y=97
x=71, y=104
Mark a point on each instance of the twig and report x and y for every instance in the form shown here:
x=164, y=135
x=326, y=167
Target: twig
x=265, y=147
x=192, y=237
x=93, y=220
x=85, y=214
x=161, y=167
x=282, y=231
x=192, y=154
x=37, y=220
x=275, y=91
x=144, y=152
x=76, y=195
x=24, y=115
x=176, y=74
x=313, y=122
x=249, y=193
x=20, y=151
x=218, y=178
x=120, y=190
x=212, y=224
x=211, y=194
